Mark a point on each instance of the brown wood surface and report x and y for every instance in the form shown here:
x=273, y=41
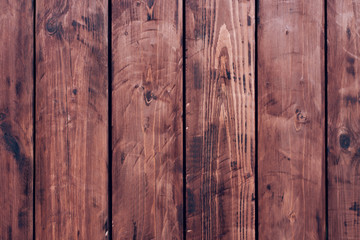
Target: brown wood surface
x=72, y=130
x=71, y=119
x=220, y=122
x=146, y=119
x=343, y=119
x=291, y=138
x=16, y=119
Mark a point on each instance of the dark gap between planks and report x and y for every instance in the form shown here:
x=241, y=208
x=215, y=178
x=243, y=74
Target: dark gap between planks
x=256, y=121
x=110, y=119
x=34, y=112
x=326, y=118
x=184, y=115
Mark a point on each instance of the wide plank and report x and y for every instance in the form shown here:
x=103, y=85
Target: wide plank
x=343, y=119
x=16, y=119
x=220, y=119
x=71, y=119
x=147, y=200
x=291, y=133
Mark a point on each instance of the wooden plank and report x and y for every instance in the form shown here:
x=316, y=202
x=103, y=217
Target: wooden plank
x=343, y=120
x=71, y=119
x=16, y=119
x=220, y=122
x=146, y=119
x=291, y=120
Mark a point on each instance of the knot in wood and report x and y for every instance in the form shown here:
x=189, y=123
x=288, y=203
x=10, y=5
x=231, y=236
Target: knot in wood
x=52, y=26
x=344, y=141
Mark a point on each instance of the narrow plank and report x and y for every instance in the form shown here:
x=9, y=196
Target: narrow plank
x=146, y=119
x=220, y=122
x=16, y=119
x=71, y=119
x=343, y=120
x=291, y=120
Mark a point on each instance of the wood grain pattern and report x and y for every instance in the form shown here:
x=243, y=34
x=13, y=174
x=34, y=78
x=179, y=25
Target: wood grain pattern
x=291, y=120
x=16, y=119
x=343, y=119
x=146, y=119
x=220, y=109
x=71, y=119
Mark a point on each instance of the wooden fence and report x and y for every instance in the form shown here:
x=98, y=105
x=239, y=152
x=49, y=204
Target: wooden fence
x=171, y=119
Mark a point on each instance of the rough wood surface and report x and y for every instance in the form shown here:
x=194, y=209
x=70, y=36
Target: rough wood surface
x=343, y=119
x=146, y=119
x=291, y=120
x=220, y=123
x=71, y=119
x=16, y=119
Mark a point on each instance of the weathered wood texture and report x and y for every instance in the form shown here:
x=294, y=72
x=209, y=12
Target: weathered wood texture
x=343, y=119
x=16, y=119
x=220, y=123
x=291, y=105
x=146, y=119
x=71, y=119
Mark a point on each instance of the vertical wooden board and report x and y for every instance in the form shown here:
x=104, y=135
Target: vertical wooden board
x=16, y=119
x=291, y=120
x=220, y=122
x=343, y=120
x=146, y=119
x=71, y=119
